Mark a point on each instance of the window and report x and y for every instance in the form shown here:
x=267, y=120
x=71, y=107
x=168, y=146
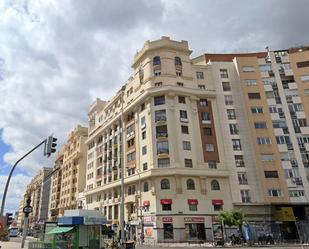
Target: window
x=143, y=135
x=218, y=207
x=203, y=102
x=231, y=114
x=158, y=84
x=236, y=144
x=145, y=166
x=184, y=129
x=131, y=156
x=144, y=150
x=179, y=83
x=233, y=129
x=269, y=94
x=215, y=185
x=224, y=73
x=212, y=164
x=283, y=140
x=304, y=78
x=183, y=114
x=271, y=174
x=192, y=207
x=161, y=131
x=248, y=69
x=165, y=184
x=263, y=140
x=146, y=187
x=202, y=87
x=245, y=196
x=226, y=86
x=256, y=109
x=156, y=60
x=143, y=107
x=178, y=61
x=186, y=145
x=163, y=162
x=168, y=231
x=143, y=121
x=275, y=193
x=207, y=131
x=205, y=116
x=166, y=207
x=302, y=64
x=239, y=160
x=188, y=163
x=265, y=68
x=130, y=142
x=254, y=95
x=242, y=178
x=267, y=157
x=160, y=115
x=260, y=125
x=159, y=100
x=209, y=147
x=181, y=100
x=228, y=99
x=162, y=147
x=200, y=75
x=250, y=82
x=190, y=184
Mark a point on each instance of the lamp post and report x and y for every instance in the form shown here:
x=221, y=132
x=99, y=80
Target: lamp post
x=140, y=206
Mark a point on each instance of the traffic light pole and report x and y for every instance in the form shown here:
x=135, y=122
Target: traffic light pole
x=11, y=173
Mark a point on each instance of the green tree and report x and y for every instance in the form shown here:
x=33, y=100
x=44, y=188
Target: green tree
x=233, y=217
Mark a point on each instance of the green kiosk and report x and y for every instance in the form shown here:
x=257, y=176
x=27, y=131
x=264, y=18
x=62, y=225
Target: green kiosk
x=77, y=229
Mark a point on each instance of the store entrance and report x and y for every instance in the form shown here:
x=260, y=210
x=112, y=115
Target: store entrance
x=195, y=231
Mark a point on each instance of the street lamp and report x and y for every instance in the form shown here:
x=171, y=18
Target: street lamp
x=140, y=206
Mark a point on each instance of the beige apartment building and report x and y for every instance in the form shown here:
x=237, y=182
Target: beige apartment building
x=200, y=136
x=69, y=173
x=38, y=190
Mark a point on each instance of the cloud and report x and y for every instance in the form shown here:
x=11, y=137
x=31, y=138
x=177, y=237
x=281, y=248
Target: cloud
x=56, y=57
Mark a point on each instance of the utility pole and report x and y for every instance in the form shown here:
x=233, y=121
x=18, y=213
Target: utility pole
x=122, y=239
x=27, y=210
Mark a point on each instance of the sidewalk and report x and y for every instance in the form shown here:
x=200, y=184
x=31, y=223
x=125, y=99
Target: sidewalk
x=12, y=245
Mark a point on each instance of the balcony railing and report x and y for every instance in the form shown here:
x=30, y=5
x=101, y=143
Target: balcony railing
x=162, y=134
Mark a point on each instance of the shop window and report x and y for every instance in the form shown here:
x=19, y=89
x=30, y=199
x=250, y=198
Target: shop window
x=195, y=231
x=168, y=232
x=165, y=184
x=215, y=185
x=190, y=184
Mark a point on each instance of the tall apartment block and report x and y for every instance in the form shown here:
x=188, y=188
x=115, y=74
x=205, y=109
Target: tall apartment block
x=200, y=136
x=38, y=190
x=69, y=173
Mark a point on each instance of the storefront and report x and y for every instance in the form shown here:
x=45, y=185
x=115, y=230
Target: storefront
x=195, y=228
x=168, y=228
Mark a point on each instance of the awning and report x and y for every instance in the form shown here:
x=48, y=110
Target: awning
x=60, y=230
x=166, y=201
x=217, y=202
x=192, y=201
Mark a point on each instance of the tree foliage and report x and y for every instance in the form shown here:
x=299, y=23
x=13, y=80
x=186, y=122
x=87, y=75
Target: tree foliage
x=233, y=217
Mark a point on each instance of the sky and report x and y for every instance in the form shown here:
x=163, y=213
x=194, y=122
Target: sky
x=57, y=57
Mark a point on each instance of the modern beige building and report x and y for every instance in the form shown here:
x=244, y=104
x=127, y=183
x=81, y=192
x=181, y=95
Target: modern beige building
x=38, y=190
x=176, y=175
x=69, y=177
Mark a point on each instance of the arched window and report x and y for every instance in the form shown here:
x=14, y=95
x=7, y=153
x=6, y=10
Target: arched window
x=165, y=184
x=146, y=187
x=190, y=184
x=178, y=61
x=156, y=60
x=215, y=185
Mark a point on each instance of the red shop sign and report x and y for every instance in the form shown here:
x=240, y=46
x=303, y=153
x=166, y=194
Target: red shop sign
x=192, y=201
x=194, y=219
x=167, y=219
x=146, y=203
x=166, y=201
x=217, y=202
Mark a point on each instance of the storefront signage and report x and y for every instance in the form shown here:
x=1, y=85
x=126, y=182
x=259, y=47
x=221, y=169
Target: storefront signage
x=194, y=219
x=146, y=203
x=134, y=222
x=93, y=221
x=192, y=201
x=149, y=220
x=167, y=219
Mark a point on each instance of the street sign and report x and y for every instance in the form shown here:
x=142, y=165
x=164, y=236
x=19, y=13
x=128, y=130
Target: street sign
x=27, y=209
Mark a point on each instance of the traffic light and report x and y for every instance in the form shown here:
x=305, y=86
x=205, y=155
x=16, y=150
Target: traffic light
x=50, y=146
x=9, y=219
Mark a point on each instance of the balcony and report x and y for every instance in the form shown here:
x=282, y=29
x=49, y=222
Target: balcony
x=240, y=163
x=207, y=121
x=160, y=119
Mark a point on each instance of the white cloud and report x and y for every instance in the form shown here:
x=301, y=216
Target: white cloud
x=56, y=57
x=16, y=191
